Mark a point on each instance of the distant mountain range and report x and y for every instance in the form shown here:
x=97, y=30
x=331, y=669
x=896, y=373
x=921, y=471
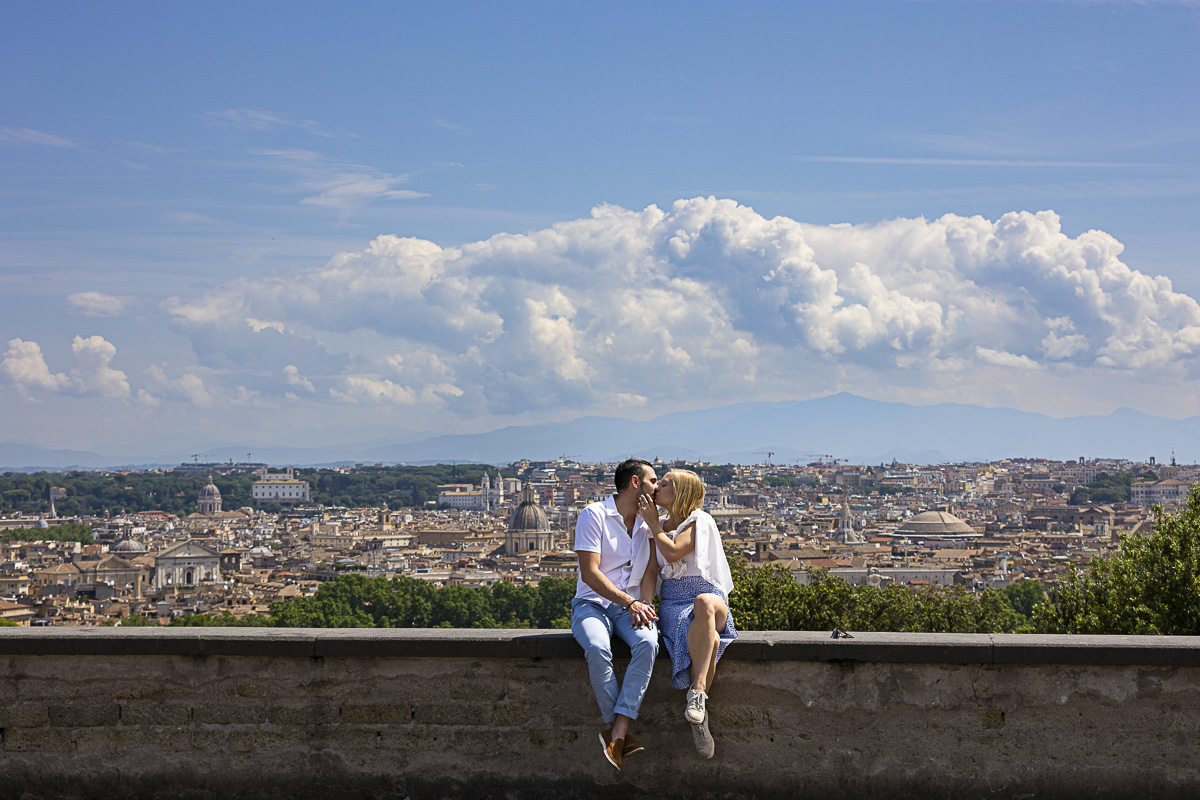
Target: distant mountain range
x=845, y=426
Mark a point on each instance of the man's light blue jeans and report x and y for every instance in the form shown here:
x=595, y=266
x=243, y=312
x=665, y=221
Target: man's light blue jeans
x=593, y=627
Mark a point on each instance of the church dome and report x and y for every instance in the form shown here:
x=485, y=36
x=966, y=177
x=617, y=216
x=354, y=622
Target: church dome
x=209, y=501
x=129, y=546
x=936, y=525
x=528, y=515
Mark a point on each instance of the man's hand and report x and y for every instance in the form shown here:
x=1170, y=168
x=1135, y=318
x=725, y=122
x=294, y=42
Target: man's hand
x=641, y=614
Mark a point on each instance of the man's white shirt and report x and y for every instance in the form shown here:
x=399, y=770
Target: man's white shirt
x=601, y=529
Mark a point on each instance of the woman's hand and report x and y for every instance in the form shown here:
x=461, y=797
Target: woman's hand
x=641, y=614
x=649, y=512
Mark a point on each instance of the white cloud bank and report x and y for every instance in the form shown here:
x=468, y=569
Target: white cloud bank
x=702, y=304
x=637, y=312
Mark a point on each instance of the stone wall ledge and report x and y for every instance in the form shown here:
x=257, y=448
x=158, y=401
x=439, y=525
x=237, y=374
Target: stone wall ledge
x=806, y=646
x=426, y=714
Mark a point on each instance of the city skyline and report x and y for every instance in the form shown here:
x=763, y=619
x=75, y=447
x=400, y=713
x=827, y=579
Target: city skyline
x=277, y=224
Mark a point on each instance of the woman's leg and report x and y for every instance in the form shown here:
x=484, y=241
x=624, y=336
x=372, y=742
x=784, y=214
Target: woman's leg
x=708, y=616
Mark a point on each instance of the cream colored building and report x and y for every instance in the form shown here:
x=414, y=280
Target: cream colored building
x=280, y=488
x=1169, y=492
x=186, y=564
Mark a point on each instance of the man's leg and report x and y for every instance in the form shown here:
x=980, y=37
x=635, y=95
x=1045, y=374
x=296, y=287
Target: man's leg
x=643, y=648
x=593, y=630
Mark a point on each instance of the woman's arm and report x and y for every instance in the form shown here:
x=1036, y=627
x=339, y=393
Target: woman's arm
x=684, y=543
x=672, y=551
x=649, y=580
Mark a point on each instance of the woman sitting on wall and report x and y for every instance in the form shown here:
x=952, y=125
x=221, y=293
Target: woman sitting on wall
x=693, y=614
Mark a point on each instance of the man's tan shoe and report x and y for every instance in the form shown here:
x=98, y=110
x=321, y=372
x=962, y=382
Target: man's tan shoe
x=615, y=752
x=632, y=745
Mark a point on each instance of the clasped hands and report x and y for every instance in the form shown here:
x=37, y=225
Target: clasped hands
x=641, y=614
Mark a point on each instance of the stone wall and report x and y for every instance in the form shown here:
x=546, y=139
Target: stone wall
x=232, y=713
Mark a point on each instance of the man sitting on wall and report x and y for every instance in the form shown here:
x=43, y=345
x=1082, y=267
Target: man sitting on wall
x=617, y=574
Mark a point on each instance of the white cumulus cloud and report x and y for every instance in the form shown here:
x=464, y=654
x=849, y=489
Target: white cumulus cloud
x=188, y=386
x=294, y=378
x=92, y=375
x=25, y=366
x=1003, y=359
x=368, y=388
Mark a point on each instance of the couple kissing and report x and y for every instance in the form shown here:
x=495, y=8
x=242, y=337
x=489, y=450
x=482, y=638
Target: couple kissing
x=629, y=552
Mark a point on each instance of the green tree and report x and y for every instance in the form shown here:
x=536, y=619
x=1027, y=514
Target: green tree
x=66, y=532
x=1150, y=586
x=763, y=598
x=554, y=603
x=337, y=604
x=1023, y=596
x=514, y=606
x=355, y=601
x=462, y=607
x=223, y=620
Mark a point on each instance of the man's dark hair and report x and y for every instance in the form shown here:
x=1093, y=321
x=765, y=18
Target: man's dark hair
x=627, y=469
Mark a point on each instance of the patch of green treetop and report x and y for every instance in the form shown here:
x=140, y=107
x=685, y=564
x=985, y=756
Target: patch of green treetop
x=66, y=532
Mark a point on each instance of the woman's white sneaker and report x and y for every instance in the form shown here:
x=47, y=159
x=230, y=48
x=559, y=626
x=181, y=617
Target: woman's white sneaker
x=695, y=713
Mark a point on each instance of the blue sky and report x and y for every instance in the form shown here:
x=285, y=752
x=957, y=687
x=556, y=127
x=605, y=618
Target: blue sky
x=932, y=201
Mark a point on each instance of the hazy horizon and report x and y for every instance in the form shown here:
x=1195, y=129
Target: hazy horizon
x=852, y=429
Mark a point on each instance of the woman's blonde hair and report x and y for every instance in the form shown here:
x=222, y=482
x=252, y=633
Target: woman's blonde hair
x=689, y=492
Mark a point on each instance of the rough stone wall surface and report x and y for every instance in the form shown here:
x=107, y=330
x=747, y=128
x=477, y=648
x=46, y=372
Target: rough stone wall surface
x=267, y=723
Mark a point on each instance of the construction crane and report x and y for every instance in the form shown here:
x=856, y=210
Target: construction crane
x=767, y=453
x=825, y=458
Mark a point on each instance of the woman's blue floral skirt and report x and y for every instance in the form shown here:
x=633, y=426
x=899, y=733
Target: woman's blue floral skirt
x=675, y=611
